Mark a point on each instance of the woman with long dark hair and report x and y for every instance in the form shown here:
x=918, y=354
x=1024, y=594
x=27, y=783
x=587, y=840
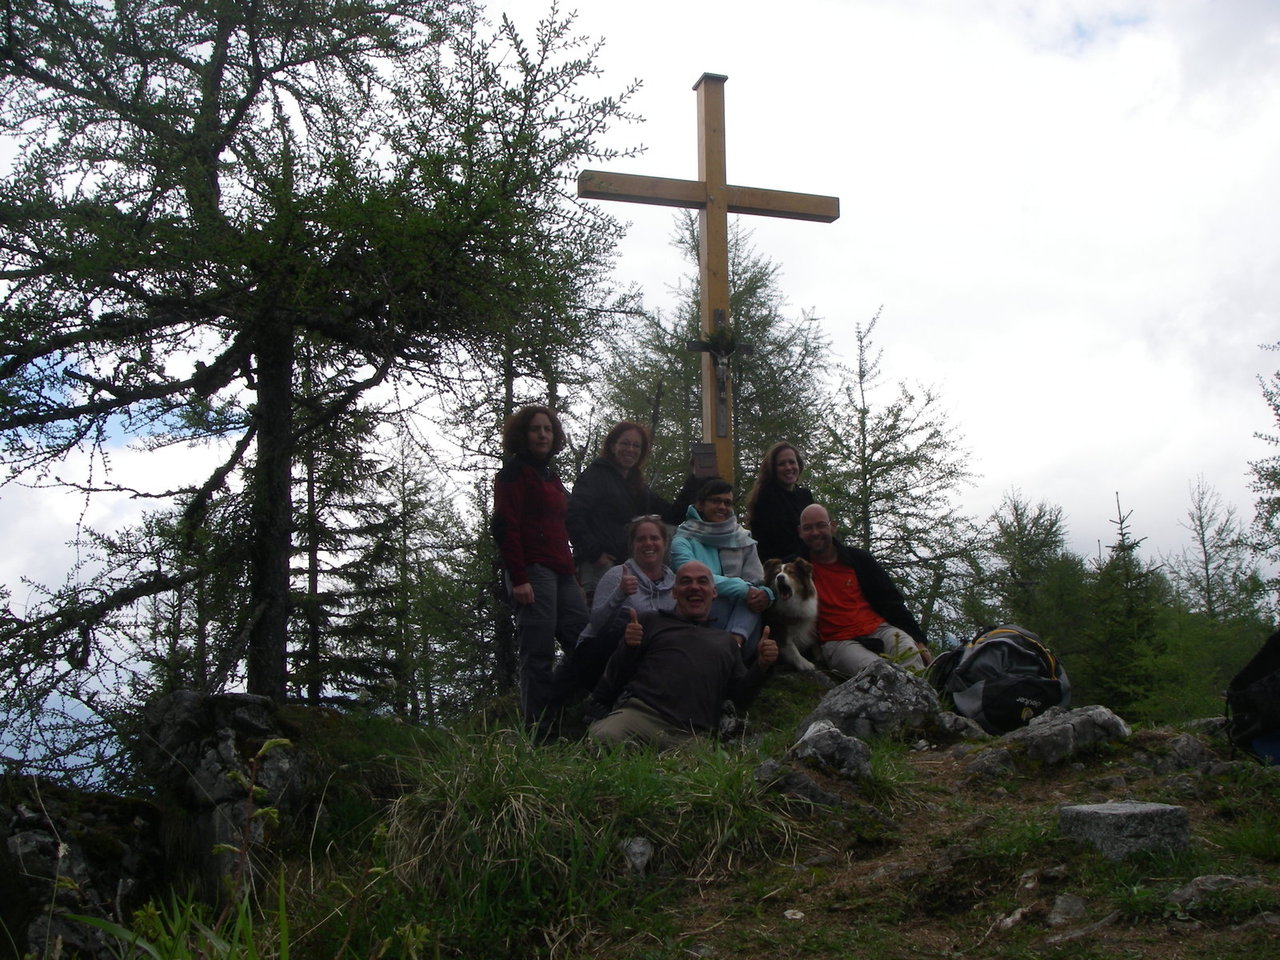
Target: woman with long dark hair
x=529, y=523
x=776, y=501
x=608, y=493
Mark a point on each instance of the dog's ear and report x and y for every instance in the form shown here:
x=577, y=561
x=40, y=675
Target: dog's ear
x=803, y=565
x=771, y=568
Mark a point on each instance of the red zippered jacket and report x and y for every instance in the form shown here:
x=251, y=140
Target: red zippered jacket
x=529, y=504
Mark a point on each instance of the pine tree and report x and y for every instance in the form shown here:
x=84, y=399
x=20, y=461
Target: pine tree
x=1122, y=658
x=1028, y=576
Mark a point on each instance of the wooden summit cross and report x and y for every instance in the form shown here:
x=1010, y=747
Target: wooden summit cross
x=715, y=199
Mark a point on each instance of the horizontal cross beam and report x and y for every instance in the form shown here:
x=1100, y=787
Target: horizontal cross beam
x=668, y=192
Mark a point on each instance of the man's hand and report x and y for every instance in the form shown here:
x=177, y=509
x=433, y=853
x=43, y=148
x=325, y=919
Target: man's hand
x=925, y=656
x=605, y=561
x=522, y=594
x=757, y=600
x=767, y=650
x=633, y=633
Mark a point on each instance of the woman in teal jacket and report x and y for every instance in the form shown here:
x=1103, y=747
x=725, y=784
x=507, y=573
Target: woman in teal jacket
x=712, y=535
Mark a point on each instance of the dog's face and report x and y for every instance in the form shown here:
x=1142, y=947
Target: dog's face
x=791, y=582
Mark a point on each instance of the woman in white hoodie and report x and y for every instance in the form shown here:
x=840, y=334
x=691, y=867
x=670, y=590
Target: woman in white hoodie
x=643, y=582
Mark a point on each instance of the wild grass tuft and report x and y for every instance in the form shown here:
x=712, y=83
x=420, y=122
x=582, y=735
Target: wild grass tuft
x=507, y=843
x=184, y=929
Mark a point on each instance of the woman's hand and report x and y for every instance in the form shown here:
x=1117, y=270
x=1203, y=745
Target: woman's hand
x=522, y=594
x=757, y=600
x=629, y=584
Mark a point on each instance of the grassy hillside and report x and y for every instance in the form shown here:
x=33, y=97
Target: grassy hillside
x=475, y=844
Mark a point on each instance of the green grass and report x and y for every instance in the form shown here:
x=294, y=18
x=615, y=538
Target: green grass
x=444, y=845
x=502, y=847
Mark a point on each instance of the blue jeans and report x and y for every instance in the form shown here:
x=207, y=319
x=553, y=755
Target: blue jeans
x=732, y=614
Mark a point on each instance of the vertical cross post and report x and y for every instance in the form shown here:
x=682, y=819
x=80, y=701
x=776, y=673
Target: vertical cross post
x=713, y=271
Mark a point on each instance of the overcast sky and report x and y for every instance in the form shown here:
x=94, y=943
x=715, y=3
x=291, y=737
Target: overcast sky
x=1069, y=211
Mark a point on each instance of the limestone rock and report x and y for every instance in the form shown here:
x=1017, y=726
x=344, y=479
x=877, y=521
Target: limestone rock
x=827, y=749
x=882, y=700
x=1119, y=829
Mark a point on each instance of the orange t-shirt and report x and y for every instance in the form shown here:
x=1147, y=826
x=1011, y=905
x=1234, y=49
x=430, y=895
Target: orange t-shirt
x=843, y=613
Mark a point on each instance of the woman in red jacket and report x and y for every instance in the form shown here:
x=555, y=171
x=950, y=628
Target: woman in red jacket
x=529, y=514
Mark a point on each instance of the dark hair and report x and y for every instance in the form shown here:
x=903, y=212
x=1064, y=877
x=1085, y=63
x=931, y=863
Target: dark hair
x=768, y=473
x=712, y=487
x=515, y=431
x=637, y=522
x=614, y=435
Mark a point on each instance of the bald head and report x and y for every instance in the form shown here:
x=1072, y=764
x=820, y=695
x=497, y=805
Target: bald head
x=694, y=590
x=817, y=532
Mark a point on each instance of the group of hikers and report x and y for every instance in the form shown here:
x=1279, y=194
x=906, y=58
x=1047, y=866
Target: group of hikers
x=660, y=628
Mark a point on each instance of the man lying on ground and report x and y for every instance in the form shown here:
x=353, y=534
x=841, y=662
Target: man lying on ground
x=669, y=677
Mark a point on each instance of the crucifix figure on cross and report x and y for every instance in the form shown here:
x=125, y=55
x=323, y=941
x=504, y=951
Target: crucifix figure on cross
x=715, y=199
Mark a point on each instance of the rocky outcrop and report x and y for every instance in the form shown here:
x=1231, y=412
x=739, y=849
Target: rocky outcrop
x=885, y=701
x=68, y=852
x=1051, y=738
x=217, y=762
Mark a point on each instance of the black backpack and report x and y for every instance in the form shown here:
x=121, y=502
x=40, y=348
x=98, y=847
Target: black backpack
x=1253, y=702
x=1001, y=678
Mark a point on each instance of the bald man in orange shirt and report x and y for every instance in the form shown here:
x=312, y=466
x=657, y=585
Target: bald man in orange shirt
x=861, y=614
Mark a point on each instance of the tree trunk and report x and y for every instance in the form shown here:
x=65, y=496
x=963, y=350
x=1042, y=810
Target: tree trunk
x=272, y=510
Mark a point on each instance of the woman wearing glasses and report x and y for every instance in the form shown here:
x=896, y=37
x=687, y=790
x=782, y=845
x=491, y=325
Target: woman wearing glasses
x=712, y=535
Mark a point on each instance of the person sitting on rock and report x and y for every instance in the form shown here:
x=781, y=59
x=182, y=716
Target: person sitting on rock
x=861, y=614
x=670, y=676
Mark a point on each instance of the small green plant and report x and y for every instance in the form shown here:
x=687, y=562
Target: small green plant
x=183, y=930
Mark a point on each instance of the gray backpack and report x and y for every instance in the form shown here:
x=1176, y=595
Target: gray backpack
x=1001, y=678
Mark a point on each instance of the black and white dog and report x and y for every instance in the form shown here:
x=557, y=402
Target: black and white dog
x=793, y=618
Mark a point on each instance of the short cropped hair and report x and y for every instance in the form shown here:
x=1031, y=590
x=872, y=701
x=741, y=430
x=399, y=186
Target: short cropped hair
x=714, y=486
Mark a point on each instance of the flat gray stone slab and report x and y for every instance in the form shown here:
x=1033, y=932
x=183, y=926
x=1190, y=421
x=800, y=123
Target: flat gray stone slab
x=1118, y=829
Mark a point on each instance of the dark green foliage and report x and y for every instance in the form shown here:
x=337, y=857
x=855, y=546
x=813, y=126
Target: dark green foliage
x=1122, y=646
x=231, y=221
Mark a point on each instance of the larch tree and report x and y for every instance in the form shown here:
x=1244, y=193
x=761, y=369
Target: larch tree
x=1217, y=574
x=891, y=473
x=1265, y=532
x=200, y=188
